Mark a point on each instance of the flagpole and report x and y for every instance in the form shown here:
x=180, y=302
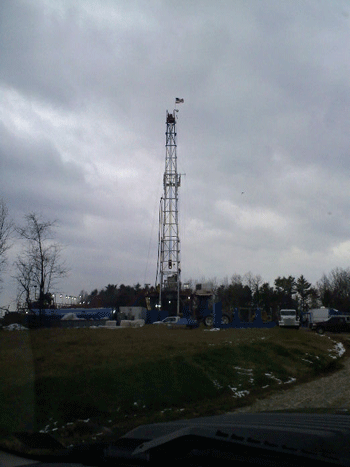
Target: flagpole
x=178, y=101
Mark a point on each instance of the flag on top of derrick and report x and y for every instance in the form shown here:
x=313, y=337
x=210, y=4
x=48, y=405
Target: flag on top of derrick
x=179, y=101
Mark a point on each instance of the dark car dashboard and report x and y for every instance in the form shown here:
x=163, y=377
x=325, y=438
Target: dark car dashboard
x=269, y=439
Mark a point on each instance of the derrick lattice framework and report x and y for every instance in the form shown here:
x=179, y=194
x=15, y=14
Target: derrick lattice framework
x=169, y=241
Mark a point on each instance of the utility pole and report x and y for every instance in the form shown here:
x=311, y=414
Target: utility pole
x=168, y=268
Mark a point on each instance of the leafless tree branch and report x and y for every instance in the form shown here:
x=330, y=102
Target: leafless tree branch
x=6, y=230
x=40, y=264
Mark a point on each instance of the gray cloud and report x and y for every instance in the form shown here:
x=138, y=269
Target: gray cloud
x=84, y=88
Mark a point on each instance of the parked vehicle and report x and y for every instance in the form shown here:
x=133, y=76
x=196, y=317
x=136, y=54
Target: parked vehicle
x=208, y=320
x=289, y=319
x=316, y=315
x=333, y=324
x=168, y=320
x=177, y=321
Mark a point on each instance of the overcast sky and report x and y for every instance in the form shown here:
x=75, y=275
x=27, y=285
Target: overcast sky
x=84, y=89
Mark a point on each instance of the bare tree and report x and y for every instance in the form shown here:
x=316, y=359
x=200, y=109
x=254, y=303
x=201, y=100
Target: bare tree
x=6, y=230
x=39, y=265
x=253, y=282
x=334, y=289
x=24, y=279
x=236, y=279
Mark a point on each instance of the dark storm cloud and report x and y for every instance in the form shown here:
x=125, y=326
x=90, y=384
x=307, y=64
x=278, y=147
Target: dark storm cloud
x=33, y=174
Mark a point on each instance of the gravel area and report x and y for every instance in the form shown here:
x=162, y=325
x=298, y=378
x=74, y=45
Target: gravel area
x=331, y=391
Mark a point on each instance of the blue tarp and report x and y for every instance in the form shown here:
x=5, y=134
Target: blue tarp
x=85, y=313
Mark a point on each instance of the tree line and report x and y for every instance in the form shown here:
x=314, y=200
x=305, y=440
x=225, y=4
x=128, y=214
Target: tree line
x=38, y=266
x=247, y=291
x=114, y=296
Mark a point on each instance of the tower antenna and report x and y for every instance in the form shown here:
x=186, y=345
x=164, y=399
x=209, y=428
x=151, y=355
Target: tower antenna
x=168, y=268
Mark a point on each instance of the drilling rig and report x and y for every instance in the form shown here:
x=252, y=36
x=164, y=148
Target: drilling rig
x=168, y=279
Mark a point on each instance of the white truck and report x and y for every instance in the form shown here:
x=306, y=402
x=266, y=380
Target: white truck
x=317, y=315
x=169, y=320
x=289, y=319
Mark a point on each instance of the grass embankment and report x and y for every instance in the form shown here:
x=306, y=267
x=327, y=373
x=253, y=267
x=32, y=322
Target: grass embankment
x=57, y=379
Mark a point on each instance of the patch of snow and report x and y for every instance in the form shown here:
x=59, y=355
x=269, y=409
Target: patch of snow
x=270, y=375
x=46, y=429
x=238, y=393
x=308, y=361
x=246, y=370
x=217, y=384
x=339, y=349
x=15, y=327
x=70, y=316
x=291, y=380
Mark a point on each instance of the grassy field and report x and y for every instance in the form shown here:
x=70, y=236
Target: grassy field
x=81, y=384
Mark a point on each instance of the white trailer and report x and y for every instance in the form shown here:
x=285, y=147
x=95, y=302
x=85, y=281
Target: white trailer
x=321, y=314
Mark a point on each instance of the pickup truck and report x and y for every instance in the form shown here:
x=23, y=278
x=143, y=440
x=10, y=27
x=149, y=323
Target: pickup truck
x=168, y=320
x=333, y=324
x=178, y=322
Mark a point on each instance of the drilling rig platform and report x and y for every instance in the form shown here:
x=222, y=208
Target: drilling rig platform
x=168, y=281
